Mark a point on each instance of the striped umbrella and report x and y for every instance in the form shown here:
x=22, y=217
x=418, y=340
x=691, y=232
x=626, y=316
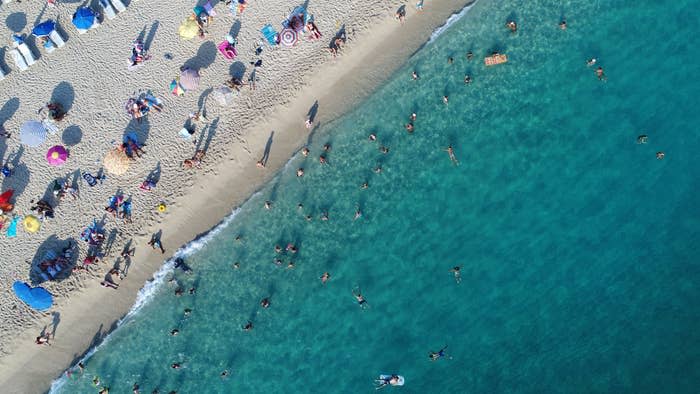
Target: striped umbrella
x=288, y=37
x=32, y=133
x=56, y=155
x=189, y=79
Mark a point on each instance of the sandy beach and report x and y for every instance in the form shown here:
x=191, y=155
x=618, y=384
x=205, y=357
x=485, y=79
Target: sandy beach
x=89, y=76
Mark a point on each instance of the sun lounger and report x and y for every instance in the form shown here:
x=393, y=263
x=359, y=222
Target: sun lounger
x=19, y=60
x=2, y=74
x=108, y=9
x=26, y=53
x=55, y=36
x=118, y=5
x=270, y=34
x=495, y=59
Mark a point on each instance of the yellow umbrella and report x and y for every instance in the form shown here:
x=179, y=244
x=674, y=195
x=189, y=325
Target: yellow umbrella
x=116, y=162
x=31, y=224
x=188, y=29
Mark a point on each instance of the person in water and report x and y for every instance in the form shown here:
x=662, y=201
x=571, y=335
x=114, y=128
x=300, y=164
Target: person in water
x=360, y=299
x=451, y=152
x=325, y=277
x=512, y=26
x=175, y=365
x=470, y=55
x=600, y=74
x=467, y=79
x=642, y=139
x=248, y=326
x=392, y=380
x=455, y=271
x=415, y=76
x=434, y=356
x=660, y=155
x=265, y=303
x=174, y=332
x=591, y=61
x=562, y=25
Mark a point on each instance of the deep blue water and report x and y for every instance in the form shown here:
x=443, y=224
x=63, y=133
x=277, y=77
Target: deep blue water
x=578, y=248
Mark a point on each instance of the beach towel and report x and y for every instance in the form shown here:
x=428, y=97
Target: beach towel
x=91, y=181
x=26, y=53
x=118, y=5
x=108, y=9
x=55, y=36
x=19, y=60
x=12, y=228
x=270, y=34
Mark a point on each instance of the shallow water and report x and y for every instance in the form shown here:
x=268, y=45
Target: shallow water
x=578, y=248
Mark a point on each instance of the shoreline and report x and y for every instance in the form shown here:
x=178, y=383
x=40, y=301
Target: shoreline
x=93, y=313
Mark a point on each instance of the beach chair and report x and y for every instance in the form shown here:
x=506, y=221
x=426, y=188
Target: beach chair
x=118, y=5
x=26, y=53
x=2, y=74
x=108, y=9
x=56, y=38
x=270, y=34
x=19, y=60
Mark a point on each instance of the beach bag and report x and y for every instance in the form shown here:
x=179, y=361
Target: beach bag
x=89, y=179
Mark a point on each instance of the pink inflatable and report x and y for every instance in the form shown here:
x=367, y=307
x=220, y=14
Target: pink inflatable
x=228, y=50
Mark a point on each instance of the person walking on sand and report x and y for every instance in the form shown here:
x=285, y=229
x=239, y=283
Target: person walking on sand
x=155, y=243
x=451, y=152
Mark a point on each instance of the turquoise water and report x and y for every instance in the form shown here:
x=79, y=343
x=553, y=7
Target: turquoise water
x=578, y=248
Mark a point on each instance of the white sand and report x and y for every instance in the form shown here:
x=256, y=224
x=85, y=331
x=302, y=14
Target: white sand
x=93, y=67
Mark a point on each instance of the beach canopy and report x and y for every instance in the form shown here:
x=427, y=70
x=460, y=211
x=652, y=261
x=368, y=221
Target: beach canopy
x=56, y=155
x=176, y=89
x=31, y=224
x=189, y=79
x=116, y=162
x=188, y=29
x=32, y=133
x=288, y=37
x=223, y=95
x=44, y=28
x=83, y=18
x=36, y=297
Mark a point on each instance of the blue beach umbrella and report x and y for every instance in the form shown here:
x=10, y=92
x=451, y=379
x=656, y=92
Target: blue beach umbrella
x=83, y=18
x=44, y=28
x=32, y=133
x=36, y=297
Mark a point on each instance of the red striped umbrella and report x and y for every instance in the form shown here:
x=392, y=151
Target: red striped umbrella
x=288, y=37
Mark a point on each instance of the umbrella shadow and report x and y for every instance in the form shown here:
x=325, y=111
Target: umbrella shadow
x=72, y=135
x=63, y=94
x=16, y=22
x=206, y=54
x=237, y=70
x=53, y=246
x=8, y=109
x=141, y=129
x=209, y=131
x=20, y=173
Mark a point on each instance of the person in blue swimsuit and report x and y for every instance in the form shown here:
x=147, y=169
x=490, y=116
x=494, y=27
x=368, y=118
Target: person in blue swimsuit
x=434, y=356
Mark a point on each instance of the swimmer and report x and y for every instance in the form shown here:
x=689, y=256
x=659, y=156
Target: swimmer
x=377, y=169
x=278, y=262
x=384, y=149
x=188, y=311
x=291, y=248
x=325, y=277
x=364, y=186
x=290, y=266
x=372, y=137
x=305, y=151
x=300, y=206
x=260, y=164
x=175, y=365
x=467, y=79
x=324, y=216
x=451, y=152
x=562, y=25
x=450, y=60
x=103, y=390
x=434, y=356
x=81, y=367
x=327, y=147
x=192, y=290
x=309, y=218
x=642, y=139
x=455, y=271
x=96, y=381
x=358, y=214
x=238, y=238
x=300, y=172
x=600, y=74
x=591, y=61
x=174, y=332
x=224, y=373
x=415, y=76
x=278, y=249
x=512, y=26
x=470, y=55
x=409, y=127
x=236, y=265
x=248, y=326
x=360, y=299
x=412, y=118
x=136, y=388
x=178, y=292
x=268, y=204
x=660, y=155
x=392, y=380
x=445, y=99
x=322, y=159
x=265, y=303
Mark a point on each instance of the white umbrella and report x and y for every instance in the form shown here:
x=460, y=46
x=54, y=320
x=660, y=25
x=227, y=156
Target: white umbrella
x=32, y=133
x=223, y=96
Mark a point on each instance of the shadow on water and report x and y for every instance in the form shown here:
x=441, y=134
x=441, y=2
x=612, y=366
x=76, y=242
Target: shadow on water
x=64, y=94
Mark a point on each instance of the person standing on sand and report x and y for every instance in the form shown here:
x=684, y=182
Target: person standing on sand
x=155, y=243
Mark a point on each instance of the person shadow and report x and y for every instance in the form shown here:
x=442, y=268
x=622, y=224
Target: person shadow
x=311, y=115
x=56, y=319
x=268, y=147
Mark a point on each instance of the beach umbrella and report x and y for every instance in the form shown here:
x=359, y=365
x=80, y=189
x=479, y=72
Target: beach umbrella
x=176, y=89
x=116, y=162
x=288, y=37
x=223, y=95
x=189, y=79
x=188, y=29
x=36, y=297
x=31, y=224
x=44, y=28
x=83, y=18
x=32, y=133
x=56, y=155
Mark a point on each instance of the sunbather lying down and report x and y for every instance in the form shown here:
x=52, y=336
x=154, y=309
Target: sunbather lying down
x=195, y=161
x=54, y=111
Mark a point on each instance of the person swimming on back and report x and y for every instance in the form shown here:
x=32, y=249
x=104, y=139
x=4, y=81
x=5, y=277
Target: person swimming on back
x=360, y=299
x=434, y=356
x=642, y=139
